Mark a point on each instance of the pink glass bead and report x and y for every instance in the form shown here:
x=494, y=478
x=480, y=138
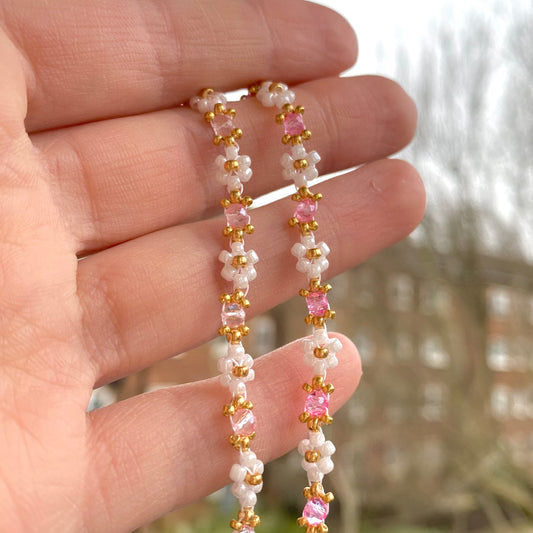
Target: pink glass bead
x=317, y=303
x=293, y=124
x=222, y=125
x=305, y=210
x=237, y=215
x=247, y=529
x=315, y=511
x=317, y=403
x=233, y=315
x=243, y=422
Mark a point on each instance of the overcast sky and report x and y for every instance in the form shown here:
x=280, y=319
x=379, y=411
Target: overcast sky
x=382, y=24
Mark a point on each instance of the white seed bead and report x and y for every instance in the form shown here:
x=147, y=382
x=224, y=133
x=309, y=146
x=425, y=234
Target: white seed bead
x=238, y=490
x=320, y=367
x=325, y=465
x=327, y=449
x=232, y=153
x=316, y=438
x=249, y=499
x=236, y=350
x=237, y=473
x=237, y=387
x=320, y=336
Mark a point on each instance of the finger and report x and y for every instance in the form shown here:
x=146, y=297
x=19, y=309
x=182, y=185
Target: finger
x=137, y=296
x=13, y=95
x=91, y=60
x=168, y=448
x=127, y=175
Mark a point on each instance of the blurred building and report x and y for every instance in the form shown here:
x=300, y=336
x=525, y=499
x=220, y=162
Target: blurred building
x=447, y=351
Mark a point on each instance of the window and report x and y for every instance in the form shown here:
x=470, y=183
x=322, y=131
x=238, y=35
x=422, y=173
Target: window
x=433, y=353
x=433, y=299
x=395, y=463
x=431, y=456
x=360, y=405
x=364, y=288
x=400, y=292
x=500, y=402
x=521, y=353
x=522, y=404
x=498, y=357
x=499, y=302
x=434, y=398
x=404, y=346
x=366, y=347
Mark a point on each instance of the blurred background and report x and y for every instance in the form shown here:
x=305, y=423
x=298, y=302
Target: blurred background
x=439, y=436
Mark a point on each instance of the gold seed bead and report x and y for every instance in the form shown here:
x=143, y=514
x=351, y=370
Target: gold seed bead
x=239, y=261
x=275, y=87
x=300, y=164
x=320, y=353
x=240, y=371
x=312, y=456
x=313, y=253
x=231, y=164
x=253, y=479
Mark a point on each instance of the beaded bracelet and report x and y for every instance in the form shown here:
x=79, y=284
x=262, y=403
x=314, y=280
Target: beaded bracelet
x=319, y=349
x=236, y=366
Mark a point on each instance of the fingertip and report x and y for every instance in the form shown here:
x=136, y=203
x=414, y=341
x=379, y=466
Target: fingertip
x=347, y=375
x=396, y=187
x=312, y=34
x=341, y=40
x=410, y=194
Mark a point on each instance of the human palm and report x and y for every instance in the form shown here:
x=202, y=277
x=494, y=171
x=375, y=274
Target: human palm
x=97, y=161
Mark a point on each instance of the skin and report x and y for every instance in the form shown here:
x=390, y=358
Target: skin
x=97, y=160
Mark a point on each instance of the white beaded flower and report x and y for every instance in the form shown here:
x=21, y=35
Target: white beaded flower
x=238, y=265
x=299, y=175
x=236, y=357
x=324, y=448
x=245, y=488
x=208, y=102
x=320, y=339
x=233, y=169
x=312, y=266
x=278, y=97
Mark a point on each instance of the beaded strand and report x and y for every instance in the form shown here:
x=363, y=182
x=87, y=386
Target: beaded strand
x=320, y=350
x=232, y=170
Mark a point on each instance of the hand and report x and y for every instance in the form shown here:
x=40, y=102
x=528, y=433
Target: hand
x=97, y=161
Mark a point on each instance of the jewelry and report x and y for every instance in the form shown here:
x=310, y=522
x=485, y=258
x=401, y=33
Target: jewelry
x=236, y=367
x=319, y=349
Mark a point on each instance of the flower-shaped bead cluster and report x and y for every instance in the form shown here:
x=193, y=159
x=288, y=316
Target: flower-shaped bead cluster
x=207, y=101
x=236, y=369
x=233, y=169
x=238, y=265
x=247, y=477
x=299, y=165
x=275, y=94
x=312, y=257
x=316, y=452
x=320, y=351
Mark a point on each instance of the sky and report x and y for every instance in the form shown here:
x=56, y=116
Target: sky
x=384, y=26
